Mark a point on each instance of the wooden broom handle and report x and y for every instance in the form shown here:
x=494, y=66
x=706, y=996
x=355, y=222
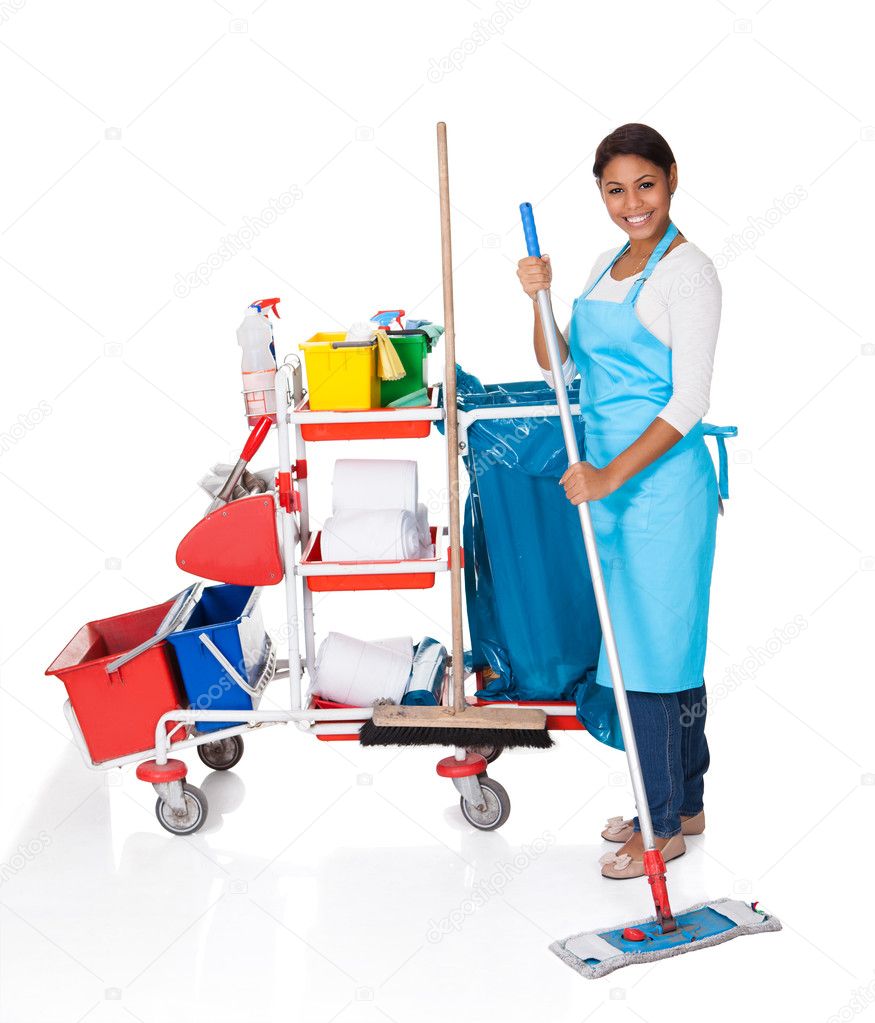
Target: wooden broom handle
x=451, y=423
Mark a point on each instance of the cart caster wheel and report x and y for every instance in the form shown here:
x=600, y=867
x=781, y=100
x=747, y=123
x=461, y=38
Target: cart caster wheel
x=191, y=819
x=489, y=753
x=494, y=813
x=223, y=754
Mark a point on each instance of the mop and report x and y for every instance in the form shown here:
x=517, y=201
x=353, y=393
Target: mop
x=457, y=724
x=599, y=952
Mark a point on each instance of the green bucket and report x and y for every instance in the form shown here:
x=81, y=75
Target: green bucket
x=412, y=347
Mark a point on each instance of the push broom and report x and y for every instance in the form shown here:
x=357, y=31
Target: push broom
x=456, y=724
x=596, y=953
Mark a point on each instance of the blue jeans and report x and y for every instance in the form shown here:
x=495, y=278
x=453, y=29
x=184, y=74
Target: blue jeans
x=670, y=730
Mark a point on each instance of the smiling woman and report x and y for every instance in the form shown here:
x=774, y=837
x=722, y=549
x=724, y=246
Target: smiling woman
x=643, y=342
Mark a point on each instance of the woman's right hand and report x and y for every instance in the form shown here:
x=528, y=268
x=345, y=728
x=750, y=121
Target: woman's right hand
x=535, y=274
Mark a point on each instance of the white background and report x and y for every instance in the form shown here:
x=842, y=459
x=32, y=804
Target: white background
x=138, y=138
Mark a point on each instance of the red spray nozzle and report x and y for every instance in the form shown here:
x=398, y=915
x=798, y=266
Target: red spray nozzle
x=264, y=304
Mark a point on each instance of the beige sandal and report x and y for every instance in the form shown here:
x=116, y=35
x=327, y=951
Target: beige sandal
x=619, y=866
x=619, y=829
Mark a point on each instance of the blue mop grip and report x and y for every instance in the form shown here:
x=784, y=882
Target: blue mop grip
x=529, y=229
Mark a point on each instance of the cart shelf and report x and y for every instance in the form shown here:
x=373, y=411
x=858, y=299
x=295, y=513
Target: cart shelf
x=561, y=714
x=367, y=424
x=418, y=574
x=333, y=731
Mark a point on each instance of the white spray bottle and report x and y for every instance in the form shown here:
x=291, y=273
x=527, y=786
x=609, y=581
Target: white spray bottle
x=255, y=337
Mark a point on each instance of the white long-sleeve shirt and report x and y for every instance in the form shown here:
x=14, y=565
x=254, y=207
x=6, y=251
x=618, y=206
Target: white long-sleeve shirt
x=680, y=305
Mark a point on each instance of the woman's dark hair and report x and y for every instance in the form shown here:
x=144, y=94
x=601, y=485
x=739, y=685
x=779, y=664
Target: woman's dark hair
x=633, y=140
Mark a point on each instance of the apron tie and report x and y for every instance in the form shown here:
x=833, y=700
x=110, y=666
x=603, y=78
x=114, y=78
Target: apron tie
x=720, y=433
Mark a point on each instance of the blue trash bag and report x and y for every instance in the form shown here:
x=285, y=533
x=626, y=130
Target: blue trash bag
x=531, y=610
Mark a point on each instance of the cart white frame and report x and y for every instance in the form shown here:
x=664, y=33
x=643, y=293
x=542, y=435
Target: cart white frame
x=294, y=536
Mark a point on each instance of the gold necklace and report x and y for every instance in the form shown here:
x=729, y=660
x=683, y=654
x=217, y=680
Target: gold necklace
x=643, y=260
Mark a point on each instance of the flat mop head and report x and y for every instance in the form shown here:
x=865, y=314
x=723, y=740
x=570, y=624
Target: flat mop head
x=597, y=953
x=393, y=725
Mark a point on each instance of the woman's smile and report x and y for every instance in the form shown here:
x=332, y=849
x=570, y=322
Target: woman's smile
x=636, y=219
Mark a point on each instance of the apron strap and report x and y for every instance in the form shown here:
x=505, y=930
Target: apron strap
x=611, y=262
x=657, y=254
x=720, y=433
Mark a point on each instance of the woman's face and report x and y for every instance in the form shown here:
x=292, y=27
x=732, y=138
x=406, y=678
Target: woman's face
x=637, y=195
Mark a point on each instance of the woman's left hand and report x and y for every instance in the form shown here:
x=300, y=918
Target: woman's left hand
x=583, y=482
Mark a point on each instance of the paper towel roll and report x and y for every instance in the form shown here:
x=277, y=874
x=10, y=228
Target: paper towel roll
x=422, y=525
x=375, y=483
x=350, y=670
x=388, y=534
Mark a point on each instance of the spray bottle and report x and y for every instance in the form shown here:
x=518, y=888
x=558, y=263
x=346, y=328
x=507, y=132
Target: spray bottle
x=266, y=306
x=255, y=337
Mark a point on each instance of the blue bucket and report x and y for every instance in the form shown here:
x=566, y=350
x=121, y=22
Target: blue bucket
x=225, y=623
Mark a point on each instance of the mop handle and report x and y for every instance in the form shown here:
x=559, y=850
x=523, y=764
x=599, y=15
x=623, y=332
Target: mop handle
x=548, y=325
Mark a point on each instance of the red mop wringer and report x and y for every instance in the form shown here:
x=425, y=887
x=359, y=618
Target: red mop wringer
x=599, y=952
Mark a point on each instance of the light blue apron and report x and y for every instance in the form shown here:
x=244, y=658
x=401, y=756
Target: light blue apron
x=655, y=534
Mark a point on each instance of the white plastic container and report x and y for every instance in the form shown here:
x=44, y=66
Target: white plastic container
x=259, y=367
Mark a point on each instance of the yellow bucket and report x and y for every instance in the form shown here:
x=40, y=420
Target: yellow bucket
x=339, y=377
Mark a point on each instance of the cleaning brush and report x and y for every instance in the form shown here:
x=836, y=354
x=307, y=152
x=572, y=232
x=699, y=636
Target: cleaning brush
x=458, y=725
x=392, y=725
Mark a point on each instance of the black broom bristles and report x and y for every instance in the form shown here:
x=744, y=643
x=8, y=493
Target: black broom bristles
x=410, y=735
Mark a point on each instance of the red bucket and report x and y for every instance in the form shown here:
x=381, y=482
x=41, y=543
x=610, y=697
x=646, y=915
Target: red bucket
x=117, y=713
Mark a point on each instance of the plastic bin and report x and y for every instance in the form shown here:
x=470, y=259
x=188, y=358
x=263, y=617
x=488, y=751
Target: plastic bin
x=117, y=712
x=341, y=378
x=420, y=576
x=399, y=423
x=226, y=619
x=412, y=347
x=318, y=703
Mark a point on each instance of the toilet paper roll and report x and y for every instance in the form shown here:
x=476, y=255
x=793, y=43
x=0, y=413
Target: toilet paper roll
x=353, y=671
x=375, y=483
x=422, y=525
x=388, y=534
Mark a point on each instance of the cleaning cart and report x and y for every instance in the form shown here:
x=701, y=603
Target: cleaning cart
x=264, y=523
x=191, y=673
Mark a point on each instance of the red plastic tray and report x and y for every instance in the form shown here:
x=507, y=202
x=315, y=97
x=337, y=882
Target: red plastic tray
x=372, y=581
x=364, y=431
x=555, y=722
x=320, y=704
